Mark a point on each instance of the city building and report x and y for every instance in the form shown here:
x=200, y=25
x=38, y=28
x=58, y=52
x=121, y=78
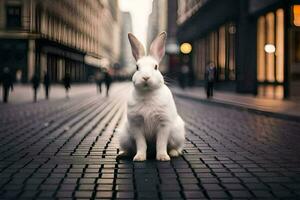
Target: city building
x=110, y=33
x=253, y=43
x=126, y=59
x=59, y=37
x=172, y=47
x=157, y=23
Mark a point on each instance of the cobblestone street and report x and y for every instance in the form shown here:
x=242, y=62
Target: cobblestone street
x=67, y=149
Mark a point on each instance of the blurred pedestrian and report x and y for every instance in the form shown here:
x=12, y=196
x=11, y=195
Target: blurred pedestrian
x=35, y=85
x=47, y=83
x=67, y=83
x=99, y=80
x=183, y=76
x=107, y=81
x=7, y=83
x=210, y=77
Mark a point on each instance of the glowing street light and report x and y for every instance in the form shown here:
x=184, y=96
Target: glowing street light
x=270, y=48
x=185, y=48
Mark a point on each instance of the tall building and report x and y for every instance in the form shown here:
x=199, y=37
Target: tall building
x=252, y=42
x=110, y=31
x=126, y=59
x=60, y=37
x=157, y=23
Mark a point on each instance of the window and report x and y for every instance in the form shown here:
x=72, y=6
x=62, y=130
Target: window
x=270, y=54
x=13, y=16
x=217, y=47
x=222, y=53
x=270, y=32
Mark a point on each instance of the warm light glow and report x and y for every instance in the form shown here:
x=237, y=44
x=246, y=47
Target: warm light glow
x=280, y=45
x=222, y=47
x=185, y=48
x=261, y=62
x=271, y=91
x=296, y=13
x=213, y=46
x=270, y=57
x=270, y=48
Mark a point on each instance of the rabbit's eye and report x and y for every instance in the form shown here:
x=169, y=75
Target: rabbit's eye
x=155, y=67
x=137, y=67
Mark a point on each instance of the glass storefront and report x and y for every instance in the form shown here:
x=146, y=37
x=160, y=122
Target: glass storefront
x=294, y=58
x=270, y=53
x=217, y=47
x=13, y=54
x=57, y=67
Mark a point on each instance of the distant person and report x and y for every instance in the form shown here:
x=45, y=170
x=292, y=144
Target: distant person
x=99, y=80
x=210, y=78
x=7, y=83
x=183, y=76
x=35, y=85
x=67, y=83
x=47, y=83
x=107, y=80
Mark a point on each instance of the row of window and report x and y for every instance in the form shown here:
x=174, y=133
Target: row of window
x=58, y=67
x=85, y=36
x=55, y=29
x=219, y=47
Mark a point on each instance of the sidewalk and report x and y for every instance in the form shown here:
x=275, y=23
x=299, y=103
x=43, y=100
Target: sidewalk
x=23, y=93
x=286, y=109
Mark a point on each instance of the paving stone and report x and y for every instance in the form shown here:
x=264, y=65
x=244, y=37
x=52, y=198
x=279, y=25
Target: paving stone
x=217, y=194
x=240, y=194
x=83, y=194
x=193, y=194
x=125, y=195
x=262, y=194
x=104, y=194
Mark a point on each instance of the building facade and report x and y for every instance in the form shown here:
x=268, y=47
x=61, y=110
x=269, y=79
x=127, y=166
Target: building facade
x=110, y=33
x=172, y=46
x=253, y=43
x=126, y=59
x=55, y=36
x=157, y=23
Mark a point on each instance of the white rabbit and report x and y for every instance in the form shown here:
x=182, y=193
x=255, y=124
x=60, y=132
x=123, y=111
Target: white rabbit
x=152, y=119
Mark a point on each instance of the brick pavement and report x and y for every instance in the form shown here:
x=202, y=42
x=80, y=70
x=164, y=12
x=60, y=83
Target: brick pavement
x=67, y=150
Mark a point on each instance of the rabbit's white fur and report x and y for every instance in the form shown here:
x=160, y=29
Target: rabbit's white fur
x=152, y=119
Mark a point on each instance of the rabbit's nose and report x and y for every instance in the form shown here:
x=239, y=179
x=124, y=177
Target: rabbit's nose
x=146, y=78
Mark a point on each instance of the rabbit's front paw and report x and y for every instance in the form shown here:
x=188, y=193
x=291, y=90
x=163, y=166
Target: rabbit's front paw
x=174, y=153
x=163, y=157
x=139, y=157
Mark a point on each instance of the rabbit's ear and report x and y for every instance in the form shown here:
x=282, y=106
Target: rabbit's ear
x=157, y=48
x=137, y=48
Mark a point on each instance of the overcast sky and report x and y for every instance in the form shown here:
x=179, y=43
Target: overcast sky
x=139, y=10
